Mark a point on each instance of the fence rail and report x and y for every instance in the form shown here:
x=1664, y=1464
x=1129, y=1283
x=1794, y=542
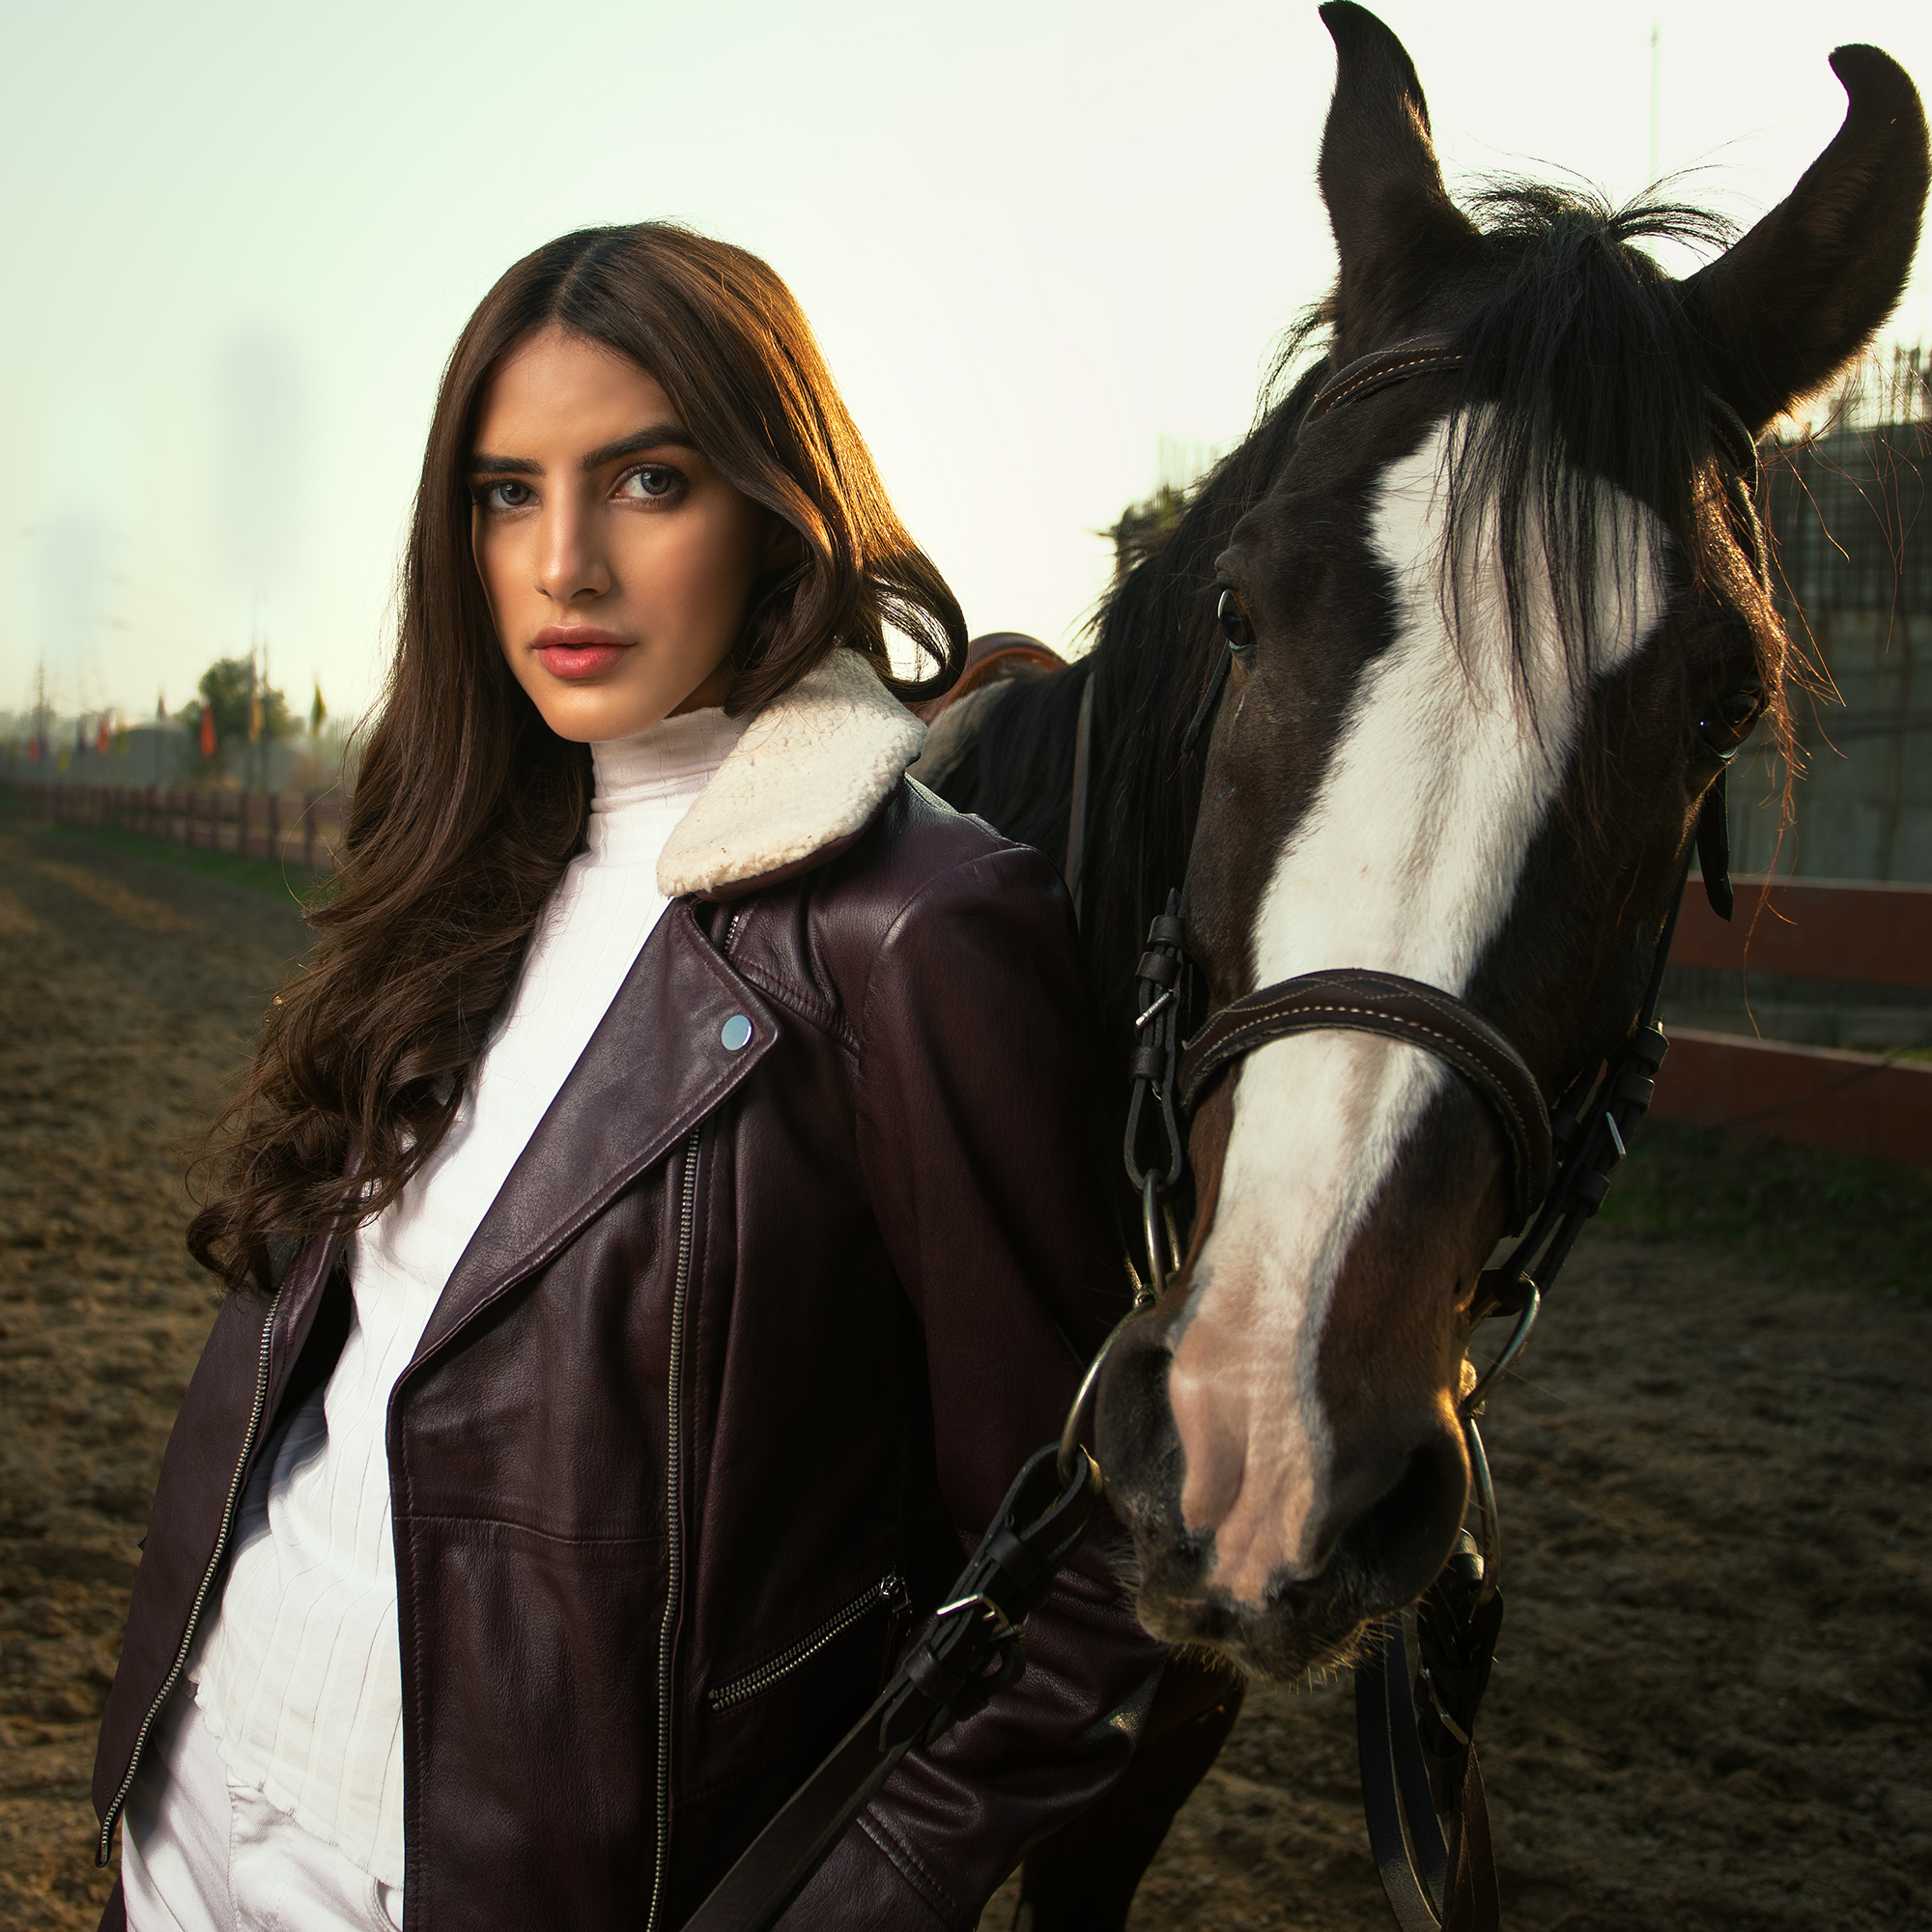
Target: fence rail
x=1876, y=935
x=294, y=828
x=1833, y=931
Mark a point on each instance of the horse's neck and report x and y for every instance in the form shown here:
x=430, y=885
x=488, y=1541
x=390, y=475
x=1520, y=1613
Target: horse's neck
x=1150, y=663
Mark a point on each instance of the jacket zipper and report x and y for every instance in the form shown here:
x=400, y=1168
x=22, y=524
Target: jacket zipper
x=673, y=1512
x=888, y=1594
x=104, y=1848
x=687, y=1223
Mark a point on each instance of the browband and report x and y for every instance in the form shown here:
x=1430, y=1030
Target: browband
x=1418, y=356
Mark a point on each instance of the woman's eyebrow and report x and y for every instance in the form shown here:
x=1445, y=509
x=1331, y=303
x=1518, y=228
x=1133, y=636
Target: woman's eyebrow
x=659, y=436
x=503, y=466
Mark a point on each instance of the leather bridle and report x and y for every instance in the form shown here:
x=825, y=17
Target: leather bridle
x=1416, y=1742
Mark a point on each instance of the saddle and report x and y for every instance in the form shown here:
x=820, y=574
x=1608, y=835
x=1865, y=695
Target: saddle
x=997, y=658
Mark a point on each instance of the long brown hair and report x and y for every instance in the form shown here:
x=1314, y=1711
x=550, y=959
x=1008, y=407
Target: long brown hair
x=467, y=807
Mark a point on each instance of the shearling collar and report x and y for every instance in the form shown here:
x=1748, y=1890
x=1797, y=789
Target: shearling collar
x=802, y=782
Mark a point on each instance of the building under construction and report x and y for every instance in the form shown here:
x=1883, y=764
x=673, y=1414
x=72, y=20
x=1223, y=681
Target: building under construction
x=1850, y=514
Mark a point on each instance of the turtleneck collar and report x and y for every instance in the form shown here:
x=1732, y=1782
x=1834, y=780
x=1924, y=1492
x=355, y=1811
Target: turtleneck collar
x=644, y=785
x=671, y=761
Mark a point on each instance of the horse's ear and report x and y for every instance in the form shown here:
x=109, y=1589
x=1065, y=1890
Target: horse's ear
x=1395, y=226
x=1787, y=307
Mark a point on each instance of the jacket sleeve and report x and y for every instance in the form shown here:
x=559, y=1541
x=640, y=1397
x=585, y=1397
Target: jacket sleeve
x=975, y=1139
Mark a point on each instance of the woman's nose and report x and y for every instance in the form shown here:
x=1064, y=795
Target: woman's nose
x=572, y=566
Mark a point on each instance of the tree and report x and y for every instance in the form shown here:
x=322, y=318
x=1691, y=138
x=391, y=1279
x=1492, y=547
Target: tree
x=225, y=690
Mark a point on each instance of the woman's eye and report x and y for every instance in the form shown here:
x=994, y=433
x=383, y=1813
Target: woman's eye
x=508, y=494
x=1233, y=618
x=652, y=483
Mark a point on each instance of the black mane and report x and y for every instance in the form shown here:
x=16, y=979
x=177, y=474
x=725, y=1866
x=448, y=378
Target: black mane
x=1584, y=378
x=1584, y=382
x=1155, y=647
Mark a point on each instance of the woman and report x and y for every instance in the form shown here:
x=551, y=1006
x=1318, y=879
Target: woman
x=655, y=1221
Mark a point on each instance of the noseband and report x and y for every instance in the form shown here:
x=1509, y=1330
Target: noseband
x=1351, y=999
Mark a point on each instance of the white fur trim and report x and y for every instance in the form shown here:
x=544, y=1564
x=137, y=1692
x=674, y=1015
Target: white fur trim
x=812, y=768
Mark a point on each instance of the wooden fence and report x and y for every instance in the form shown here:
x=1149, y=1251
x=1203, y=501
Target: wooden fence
x=296, y=828
x=1865, y=1103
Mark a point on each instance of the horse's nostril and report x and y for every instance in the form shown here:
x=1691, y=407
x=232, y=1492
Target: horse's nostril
x=1134, y=1432
x=1403, y=1537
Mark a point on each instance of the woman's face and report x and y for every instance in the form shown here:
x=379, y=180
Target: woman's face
x=617, y=561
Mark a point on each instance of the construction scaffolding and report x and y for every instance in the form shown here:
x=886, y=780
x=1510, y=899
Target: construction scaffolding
x=1850, y=515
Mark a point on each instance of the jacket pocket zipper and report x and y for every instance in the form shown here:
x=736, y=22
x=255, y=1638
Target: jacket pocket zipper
x=104, y=1848
x=888, y=1594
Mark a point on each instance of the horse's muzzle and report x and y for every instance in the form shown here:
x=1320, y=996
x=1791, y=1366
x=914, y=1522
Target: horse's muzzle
x=1381, y=1524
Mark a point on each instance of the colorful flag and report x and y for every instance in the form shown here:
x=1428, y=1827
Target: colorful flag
x=33, y=747
x=317, y=712
x=103, y=737
x=208, y=730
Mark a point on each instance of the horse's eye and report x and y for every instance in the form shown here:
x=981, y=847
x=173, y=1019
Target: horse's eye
x=1742, y=705
x=1233, y=622
x=1728, y=723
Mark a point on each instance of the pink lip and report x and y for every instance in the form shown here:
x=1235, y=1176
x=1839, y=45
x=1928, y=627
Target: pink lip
x=578, y=650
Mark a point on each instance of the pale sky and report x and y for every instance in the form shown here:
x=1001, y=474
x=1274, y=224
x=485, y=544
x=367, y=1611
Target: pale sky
x=238, y=241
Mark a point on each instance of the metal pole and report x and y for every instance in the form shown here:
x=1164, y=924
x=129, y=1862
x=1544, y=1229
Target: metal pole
x=1655, y=74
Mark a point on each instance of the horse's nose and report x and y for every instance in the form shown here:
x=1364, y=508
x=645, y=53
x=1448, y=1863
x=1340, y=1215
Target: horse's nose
x=1259, y=1496
x=1285, y=1488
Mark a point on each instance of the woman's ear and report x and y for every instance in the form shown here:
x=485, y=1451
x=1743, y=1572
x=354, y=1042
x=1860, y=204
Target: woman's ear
x=782, y=546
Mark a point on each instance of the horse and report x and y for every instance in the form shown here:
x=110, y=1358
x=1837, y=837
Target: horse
x=1433, y=678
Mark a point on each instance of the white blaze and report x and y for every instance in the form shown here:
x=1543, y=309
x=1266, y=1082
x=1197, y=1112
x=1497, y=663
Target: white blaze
x=1406, y=862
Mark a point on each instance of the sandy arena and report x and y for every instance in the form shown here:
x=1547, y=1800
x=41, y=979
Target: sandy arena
x=1711, y=1705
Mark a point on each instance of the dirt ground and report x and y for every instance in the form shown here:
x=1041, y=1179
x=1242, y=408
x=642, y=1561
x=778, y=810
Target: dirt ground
x=1711, y=1705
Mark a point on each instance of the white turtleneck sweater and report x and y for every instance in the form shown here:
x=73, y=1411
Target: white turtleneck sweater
x=299, y=1676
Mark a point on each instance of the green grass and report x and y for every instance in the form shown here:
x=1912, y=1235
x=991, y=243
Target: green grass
x=1831, y=1216
x=265, y=875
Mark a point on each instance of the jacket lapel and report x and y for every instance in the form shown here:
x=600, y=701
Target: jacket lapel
x=808, y=774
x=658, y=1063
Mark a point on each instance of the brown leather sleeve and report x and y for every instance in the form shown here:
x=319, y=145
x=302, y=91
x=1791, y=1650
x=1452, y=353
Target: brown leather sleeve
x=975, y=1142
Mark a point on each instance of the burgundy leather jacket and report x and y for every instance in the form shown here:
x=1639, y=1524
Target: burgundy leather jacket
x=792, y=1277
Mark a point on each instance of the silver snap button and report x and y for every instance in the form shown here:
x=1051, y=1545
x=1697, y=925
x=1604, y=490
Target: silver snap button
x=735, y=1033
